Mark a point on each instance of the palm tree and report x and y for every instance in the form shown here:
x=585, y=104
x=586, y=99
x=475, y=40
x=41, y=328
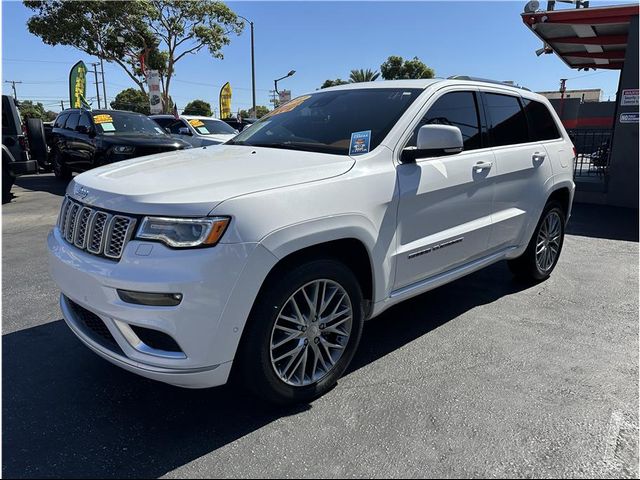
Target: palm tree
x=363, y=75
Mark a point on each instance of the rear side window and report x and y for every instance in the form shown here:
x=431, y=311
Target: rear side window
x=507, y=121
x=72, y=121
x=60, y=120
x=457, y=109
x=541, y=123
x=85, y=121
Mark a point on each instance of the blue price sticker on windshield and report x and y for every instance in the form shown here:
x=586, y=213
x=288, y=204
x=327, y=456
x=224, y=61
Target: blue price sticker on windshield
x=360, y=142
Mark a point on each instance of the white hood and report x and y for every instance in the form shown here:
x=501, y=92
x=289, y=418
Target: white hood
x=192, y=182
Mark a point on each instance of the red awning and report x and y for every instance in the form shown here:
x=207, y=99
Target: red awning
x=585, y=37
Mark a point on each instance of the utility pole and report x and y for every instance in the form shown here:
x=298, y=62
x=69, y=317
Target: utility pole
x=13, y=85
x=253, y=67
x=104, y=85
x=95, y=73
x=62, y=104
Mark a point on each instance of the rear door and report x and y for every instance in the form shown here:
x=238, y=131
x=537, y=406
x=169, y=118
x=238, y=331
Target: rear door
x=522, y=169
x=445, y=204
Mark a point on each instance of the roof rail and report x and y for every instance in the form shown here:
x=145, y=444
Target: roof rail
x=486, y=80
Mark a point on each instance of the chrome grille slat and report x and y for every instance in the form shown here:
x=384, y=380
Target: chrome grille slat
x=93, y=230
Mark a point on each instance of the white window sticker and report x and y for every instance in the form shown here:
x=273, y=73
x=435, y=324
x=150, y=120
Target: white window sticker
x=108, y=127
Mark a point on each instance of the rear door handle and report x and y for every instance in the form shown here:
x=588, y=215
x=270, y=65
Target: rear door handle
x=538, y=157
x=483, y=165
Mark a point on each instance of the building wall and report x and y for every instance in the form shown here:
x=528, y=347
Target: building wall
x=623, y=178
x=588, y=95
x=588, y=115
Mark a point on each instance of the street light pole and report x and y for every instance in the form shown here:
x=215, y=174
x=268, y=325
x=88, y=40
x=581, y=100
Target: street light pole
x=275, y=82
x=253, y=67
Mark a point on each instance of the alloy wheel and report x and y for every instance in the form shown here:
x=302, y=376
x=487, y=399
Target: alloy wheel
x=311, y=332
x=548, y=241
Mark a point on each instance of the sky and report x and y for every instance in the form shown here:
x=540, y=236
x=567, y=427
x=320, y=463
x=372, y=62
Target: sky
x=319, y=40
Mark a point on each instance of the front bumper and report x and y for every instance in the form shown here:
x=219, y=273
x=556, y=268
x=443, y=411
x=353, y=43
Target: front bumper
x=216, y=284
x=23, y=168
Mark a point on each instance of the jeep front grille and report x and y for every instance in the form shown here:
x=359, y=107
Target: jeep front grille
x=95, y=231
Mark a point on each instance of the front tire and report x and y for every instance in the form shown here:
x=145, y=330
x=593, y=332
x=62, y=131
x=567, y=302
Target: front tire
x=302, y=333
x=542, y=253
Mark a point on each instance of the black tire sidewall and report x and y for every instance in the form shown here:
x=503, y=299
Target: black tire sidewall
x=59, y=169
x=255, y=359
x=37, y=140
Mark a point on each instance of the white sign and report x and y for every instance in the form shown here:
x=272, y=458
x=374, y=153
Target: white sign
x=629, y=117
x=155, y=97
x=629, y=96
x=284, y=96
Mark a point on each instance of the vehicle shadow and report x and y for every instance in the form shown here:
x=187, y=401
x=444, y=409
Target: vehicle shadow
x=602, y=221
x=44, y=182
x=68, y=413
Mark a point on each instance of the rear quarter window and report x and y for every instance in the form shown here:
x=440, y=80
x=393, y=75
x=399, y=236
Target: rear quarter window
x=542, y=126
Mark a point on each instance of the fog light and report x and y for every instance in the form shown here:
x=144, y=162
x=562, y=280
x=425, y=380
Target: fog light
x=150, y=299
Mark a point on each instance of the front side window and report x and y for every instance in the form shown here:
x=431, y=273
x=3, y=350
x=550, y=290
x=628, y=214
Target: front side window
x=172, y=125
x=541, y=123
x=507, y=122
x=326, y=122
x=458, y=109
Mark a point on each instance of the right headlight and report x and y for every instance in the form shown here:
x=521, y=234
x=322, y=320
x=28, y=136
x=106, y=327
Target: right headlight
x=183, y=232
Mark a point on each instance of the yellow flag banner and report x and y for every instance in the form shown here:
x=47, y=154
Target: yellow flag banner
x=225, y=101
x=78, y=85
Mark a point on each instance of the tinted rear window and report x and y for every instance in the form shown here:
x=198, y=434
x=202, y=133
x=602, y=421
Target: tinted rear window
x=507, y=122
x=541, y=123
x=72, y=121
x=60, y=120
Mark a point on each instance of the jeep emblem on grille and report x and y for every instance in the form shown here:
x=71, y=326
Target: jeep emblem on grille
x=81, y=192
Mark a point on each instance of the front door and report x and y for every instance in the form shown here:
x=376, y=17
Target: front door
x=445, y=204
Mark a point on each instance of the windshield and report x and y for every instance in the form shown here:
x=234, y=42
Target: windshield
x=211, y=127
x=342, y=122
x=125, y=123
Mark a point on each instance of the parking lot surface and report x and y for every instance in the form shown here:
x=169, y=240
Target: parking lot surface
x=484, y=377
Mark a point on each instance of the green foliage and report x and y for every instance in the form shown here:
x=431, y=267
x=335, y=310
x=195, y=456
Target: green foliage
x=198, y=107
x=361, y=75
x=396, y=68
x=120, y=31
x=28, y=109
x=333, y=83
x=261, y=111
x=132, y=100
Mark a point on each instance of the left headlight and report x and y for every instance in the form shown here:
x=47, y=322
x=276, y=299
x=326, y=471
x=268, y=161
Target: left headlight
x=183, y=232
x=124, y=149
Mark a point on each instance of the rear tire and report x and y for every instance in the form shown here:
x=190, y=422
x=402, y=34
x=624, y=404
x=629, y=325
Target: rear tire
x=542, y=253
x=60, y=170
x=317, y=365
x=7, y=183
x=37, y=142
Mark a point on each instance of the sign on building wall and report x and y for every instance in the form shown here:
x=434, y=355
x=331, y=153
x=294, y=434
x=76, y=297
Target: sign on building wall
x=629, y=96
x=155, y=97
x=629, y=117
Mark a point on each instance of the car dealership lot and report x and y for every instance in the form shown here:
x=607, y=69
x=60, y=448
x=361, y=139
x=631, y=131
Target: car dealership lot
x=482, y=377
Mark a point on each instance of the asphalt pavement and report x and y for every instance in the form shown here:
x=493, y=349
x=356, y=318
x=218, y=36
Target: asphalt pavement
x=484, y=377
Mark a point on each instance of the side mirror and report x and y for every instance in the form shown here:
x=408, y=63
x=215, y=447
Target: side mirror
x=184, y=131
x=434, y=141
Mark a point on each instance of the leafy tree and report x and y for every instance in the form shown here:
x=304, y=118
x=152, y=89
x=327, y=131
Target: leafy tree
x=163, y=31
x=132, y=100
x=396, y=68
x=333, y=83
x=261, y=111
x=198, y=107
x=361, y=75
x=28, y=109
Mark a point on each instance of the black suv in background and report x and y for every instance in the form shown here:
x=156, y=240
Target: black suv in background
x=16, y=158
x=82, y=139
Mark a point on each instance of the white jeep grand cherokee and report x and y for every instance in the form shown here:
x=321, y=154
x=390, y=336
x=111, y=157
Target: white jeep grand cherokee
x=262, y=257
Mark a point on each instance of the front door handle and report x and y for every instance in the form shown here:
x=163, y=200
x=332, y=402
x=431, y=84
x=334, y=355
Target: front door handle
x=538, y=157
x=483, y=166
